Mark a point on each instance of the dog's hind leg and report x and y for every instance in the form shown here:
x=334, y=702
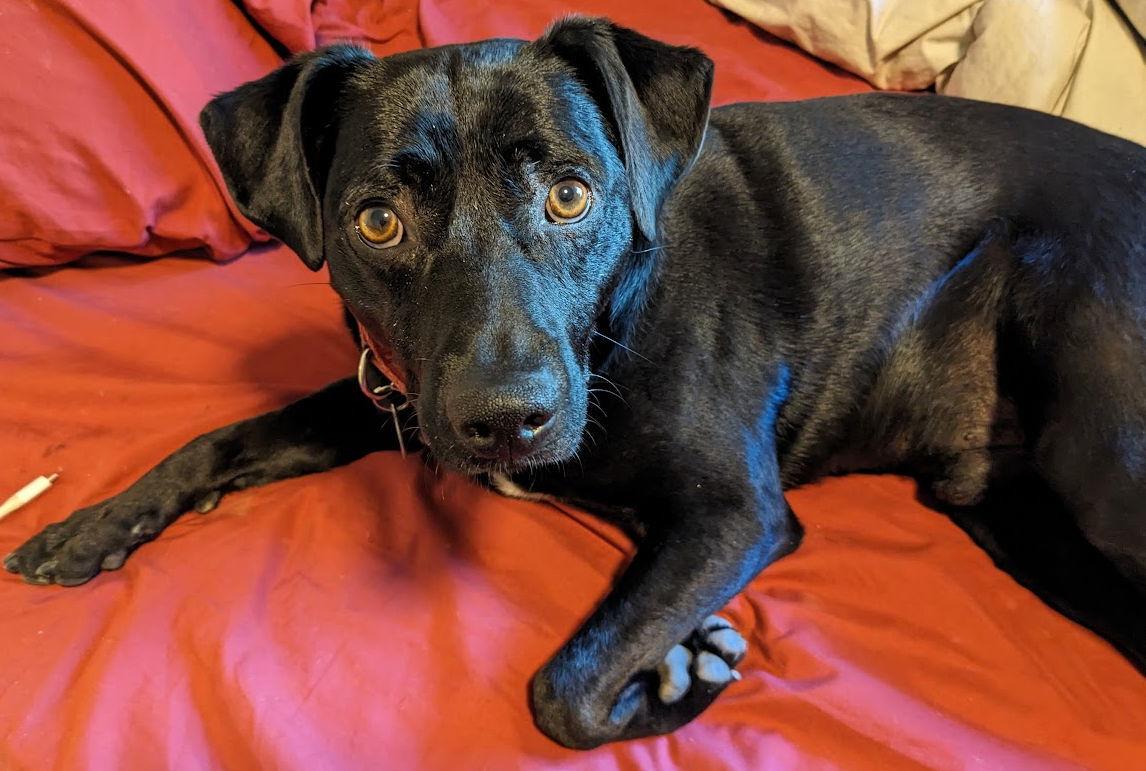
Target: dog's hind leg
x=1070, y=524
x=1029, y=533
x=332, y=427
x=1106, y=491
x=1092, y=446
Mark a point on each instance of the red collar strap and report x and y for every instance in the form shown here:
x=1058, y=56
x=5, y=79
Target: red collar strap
x=383, y=357
x=383, y=396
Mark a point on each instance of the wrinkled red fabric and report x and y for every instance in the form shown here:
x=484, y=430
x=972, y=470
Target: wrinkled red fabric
x=378, y=616
x=382, y=616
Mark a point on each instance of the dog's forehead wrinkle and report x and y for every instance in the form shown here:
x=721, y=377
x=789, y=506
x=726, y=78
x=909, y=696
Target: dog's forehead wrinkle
x=441, y=130
x=499, y=107
x=475, y=112
x=501, y=117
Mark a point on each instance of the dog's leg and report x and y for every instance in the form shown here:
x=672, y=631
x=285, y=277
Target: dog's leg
x=649, y=659
x=1092, y=446
x=330, y=428
x=1029, y=532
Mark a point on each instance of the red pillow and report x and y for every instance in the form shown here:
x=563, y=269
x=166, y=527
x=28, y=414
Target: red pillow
x=99, y=138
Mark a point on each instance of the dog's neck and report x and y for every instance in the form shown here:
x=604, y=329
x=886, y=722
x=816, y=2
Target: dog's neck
x=628, y=298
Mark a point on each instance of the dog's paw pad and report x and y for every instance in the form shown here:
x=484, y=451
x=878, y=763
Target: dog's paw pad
x=717, y=635
x=208, y=502
x=673, y=672
x=712, y=669
x=114, y=561
x=706, y=659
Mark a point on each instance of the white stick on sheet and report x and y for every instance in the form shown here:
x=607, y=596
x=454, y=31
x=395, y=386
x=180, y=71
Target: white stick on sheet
x=27, y=494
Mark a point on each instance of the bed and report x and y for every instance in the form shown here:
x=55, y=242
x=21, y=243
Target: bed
x=384, y=615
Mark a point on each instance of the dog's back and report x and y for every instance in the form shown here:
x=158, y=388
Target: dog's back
x=958, y=279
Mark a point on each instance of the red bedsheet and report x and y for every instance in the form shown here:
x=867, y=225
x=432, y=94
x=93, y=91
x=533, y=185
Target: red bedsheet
x=379, y=616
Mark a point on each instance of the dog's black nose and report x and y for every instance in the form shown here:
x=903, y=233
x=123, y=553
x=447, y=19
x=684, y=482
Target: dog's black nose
x=503, y=425
x=508, y=435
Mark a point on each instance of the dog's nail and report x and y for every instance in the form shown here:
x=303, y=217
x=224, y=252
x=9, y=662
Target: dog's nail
x=47, y=567
x=673, y=672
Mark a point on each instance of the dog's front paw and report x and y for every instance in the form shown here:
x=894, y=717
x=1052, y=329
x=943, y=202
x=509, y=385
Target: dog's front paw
x=659, y=701
x=706, y=660
x=71, y=552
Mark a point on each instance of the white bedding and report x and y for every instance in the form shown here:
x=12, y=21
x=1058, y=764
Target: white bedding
x=1082, y=59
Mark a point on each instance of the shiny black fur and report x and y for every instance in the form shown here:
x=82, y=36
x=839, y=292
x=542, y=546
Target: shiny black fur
x=758, y=296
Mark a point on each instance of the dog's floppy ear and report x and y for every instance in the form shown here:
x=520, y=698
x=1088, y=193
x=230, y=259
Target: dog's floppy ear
x=273, y=140
x=656, y=96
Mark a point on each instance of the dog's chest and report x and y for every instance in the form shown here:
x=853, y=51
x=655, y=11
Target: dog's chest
x=510, y=489
x=627, y=518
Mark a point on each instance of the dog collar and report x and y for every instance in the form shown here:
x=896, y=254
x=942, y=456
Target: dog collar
x=389, y=397
x=382, y=359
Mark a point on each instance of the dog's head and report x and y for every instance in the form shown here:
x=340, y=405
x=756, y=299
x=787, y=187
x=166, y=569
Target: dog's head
x=481, y=208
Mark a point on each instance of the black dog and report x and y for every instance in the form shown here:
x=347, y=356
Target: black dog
x=753, y=296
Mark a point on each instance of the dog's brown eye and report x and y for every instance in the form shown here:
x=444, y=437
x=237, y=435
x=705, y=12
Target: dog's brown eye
x=568, y=201
x=379, y=226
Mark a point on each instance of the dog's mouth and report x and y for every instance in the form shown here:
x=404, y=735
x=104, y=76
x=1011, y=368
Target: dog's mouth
x=474, y=466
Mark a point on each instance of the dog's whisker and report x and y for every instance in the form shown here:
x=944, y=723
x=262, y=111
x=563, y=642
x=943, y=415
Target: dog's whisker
x=577, y=457
x=593, y=396
x=613, y=387
x=609, y=385
x=607, y=380
x=621, y=345
x=413, y=429
x=594, y=402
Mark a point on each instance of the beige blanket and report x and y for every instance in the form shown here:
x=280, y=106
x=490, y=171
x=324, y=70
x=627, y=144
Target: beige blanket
x=1082, y=59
